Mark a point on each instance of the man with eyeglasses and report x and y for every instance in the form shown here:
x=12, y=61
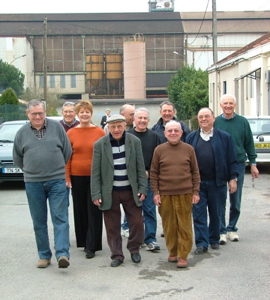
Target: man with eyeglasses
x=41, y=150
x=68, y=111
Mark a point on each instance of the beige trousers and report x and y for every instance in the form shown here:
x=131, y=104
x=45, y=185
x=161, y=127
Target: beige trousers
x=176, y=215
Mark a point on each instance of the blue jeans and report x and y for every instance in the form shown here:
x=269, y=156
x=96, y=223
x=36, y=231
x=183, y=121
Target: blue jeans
x=55, y=192
x=211, y=196
x=235, y=203
x=150, y=217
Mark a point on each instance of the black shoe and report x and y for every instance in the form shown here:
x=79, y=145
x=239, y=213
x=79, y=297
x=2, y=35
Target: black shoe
x=136, y=257
x=116, y=262
x=200, y=250
x=215, y=246
x=89, y=254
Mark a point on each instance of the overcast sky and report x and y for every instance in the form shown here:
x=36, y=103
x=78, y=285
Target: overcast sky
x=91, y=6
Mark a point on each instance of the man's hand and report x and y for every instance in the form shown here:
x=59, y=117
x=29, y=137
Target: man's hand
x=68, y=184
x=97, y=202
x=157, y=200
x=141, y=196
x=195, y=199
x=232, y=186
x=254, y=171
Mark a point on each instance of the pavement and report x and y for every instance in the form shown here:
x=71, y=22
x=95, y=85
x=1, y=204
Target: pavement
x=239, y=270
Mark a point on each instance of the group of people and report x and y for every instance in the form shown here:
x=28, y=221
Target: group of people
x=127, y=166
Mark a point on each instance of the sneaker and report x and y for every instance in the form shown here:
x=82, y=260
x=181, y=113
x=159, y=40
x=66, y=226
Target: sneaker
x=154, y=246
x=182, y=263
x=200, y=250
x=215, y=246
x=43, y=263
x=223, y=239
x=63, y=262
x=233, y=236
x=125, y=233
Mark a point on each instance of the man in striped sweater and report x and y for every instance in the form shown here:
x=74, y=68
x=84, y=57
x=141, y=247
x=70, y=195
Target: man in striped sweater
x=118, y=177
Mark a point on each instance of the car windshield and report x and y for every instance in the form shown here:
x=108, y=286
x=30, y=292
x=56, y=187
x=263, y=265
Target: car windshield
x=259, y=126
x=8, y=132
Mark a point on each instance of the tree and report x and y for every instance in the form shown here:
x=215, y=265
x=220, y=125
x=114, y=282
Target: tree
x=11, y=77
x=9, y=97
x=188, y=90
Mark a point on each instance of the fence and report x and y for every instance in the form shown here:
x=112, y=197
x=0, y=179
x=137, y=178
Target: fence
x=10, y=112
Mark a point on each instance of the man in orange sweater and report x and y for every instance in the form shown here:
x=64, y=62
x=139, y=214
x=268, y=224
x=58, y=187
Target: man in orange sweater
x=175, y=181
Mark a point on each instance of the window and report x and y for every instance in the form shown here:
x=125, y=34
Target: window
x=62, y=81
x=73, y=81
x=224, y=87
x=41, y=81
x=52, y=81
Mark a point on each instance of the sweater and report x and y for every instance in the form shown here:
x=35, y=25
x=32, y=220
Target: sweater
x=82, y=141
x=42, y=159
x=174, y=170
x=149, y=140
x=239, y=128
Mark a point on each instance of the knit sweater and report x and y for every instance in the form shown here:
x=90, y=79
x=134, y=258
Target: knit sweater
x=150, y=140
x=174, y=170
x=239, y=128
x=82, y=141
x=42, y=159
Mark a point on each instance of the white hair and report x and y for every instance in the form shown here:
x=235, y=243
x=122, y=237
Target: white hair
x=173, y=122
x=227, y=96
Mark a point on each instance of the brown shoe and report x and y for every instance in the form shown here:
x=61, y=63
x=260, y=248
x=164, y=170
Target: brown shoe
x=172, y=259
x=63, y=262
x=182, y=263
x=43, y=263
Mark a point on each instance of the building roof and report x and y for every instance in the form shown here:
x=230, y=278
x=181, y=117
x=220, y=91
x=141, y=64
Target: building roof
x=259, y=42
x=90, y=24
x=227, y=22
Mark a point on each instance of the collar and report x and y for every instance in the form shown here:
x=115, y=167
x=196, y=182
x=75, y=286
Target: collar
x=69, y=124
x=206, y=135
x=223, y=116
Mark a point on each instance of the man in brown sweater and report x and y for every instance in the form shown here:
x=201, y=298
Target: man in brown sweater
x=175, y=181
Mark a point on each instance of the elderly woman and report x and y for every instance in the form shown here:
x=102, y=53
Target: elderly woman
x=87, y=217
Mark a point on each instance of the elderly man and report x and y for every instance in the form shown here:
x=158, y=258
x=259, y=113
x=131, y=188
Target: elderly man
x=41, y=150
x=175, y=181
x=217, y=164
x=127, y=110
x=118, y=177
x=150, y=140
x=238, y=127
x=68, y=111
x=167, y=112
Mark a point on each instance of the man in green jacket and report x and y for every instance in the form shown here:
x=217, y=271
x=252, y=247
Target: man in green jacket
x=118, y=177
x=238, y=127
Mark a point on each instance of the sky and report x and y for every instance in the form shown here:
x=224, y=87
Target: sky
x=107, y=6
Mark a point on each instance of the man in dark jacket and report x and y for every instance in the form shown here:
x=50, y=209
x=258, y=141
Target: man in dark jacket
x=217, y=164
x=167, y=112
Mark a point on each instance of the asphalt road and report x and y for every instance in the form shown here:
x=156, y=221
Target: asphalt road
x=239, y=270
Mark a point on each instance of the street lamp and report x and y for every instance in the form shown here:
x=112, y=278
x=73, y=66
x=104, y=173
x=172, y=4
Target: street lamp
x=17, y=58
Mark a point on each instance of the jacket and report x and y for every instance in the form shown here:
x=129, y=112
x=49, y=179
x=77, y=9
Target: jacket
x=226, y=166
x=103, y=170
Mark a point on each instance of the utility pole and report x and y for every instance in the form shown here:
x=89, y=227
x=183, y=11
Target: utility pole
x=214, y=30
x=45, y=59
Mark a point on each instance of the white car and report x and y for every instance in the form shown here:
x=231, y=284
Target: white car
x=260, y=127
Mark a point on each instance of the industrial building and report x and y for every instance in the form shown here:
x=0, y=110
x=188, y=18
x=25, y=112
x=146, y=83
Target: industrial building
x=87, y=55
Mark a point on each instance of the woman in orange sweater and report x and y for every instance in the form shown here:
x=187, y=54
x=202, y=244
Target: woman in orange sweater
x=87, y=216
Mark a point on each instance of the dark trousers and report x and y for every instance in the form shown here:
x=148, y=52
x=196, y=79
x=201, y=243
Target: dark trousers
x=87, y=216
x=211, y=197
x=112, y=219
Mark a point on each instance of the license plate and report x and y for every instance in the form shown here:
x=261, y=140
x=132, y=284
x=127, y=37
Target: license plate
x=12, y=171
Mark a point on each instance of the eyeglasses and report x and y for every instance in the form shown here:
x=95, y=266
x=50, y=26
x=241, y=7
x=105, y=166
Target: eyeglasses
x=35, y=114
